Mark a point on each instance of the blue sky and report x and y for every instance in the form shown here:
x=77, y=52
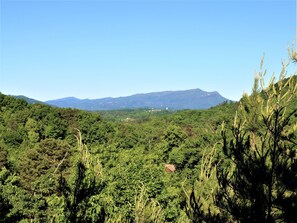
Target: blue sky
x=95, y=48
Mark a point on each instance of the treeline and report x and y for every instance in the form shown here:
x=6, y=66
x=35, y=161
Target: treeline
x=236, y=162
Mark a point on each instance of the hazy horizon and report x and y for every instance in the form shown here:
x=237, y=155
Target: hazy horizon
x=97, y=49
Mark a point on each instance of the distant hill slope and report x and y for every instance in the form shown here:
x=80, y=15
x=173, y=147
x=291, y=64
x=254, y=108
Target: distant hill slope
x=173, y=100
x=29, y=100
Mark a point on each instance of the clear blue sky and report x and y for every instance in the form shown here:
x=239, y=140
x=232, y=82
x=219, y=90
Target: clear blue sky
x=95, y=49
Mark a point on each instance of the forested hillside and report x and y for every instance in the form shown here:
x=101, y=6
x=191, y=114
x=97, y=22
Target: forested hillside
x=235, y=162
x=40, y=150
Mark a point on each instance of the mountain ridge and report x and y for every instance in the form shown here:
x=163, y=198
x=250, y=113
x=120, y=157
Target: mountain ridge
x=28, y=100
x=173, y=100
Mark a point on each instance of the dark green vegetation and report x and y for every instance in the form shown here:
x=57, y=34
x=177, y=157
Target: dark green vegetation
x=67, y=165
x=172, y=100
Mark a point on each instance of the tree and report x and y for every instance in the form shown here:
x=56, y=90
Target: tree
x=147, y=210
x=260, y=184
x=4, y=202
x=55, y=126
x=173, y=137
x=3, y=157
x=47, y=157
x=82, y=194
x=200, y=203
x=16, y=205
x=32, y=128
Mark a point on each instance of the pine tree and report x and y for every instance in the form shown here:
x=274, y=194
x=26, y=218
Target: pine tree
x=260, y=184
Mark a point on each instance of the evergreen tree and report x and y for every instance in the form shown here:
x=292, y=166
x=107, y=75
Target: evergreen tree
x=260, y=184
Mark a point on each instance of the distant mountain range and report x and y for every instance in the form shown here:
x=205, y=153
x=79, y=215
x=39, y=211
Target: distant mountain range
x=172, y=100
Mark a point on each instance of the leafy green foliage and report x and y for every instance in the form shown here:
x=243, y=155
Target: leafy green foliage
x=67, y=165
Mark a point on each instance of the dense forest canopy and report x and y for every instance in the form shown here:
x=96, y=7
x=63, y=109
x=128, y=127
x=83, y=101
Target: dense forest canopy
x=235, y=162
